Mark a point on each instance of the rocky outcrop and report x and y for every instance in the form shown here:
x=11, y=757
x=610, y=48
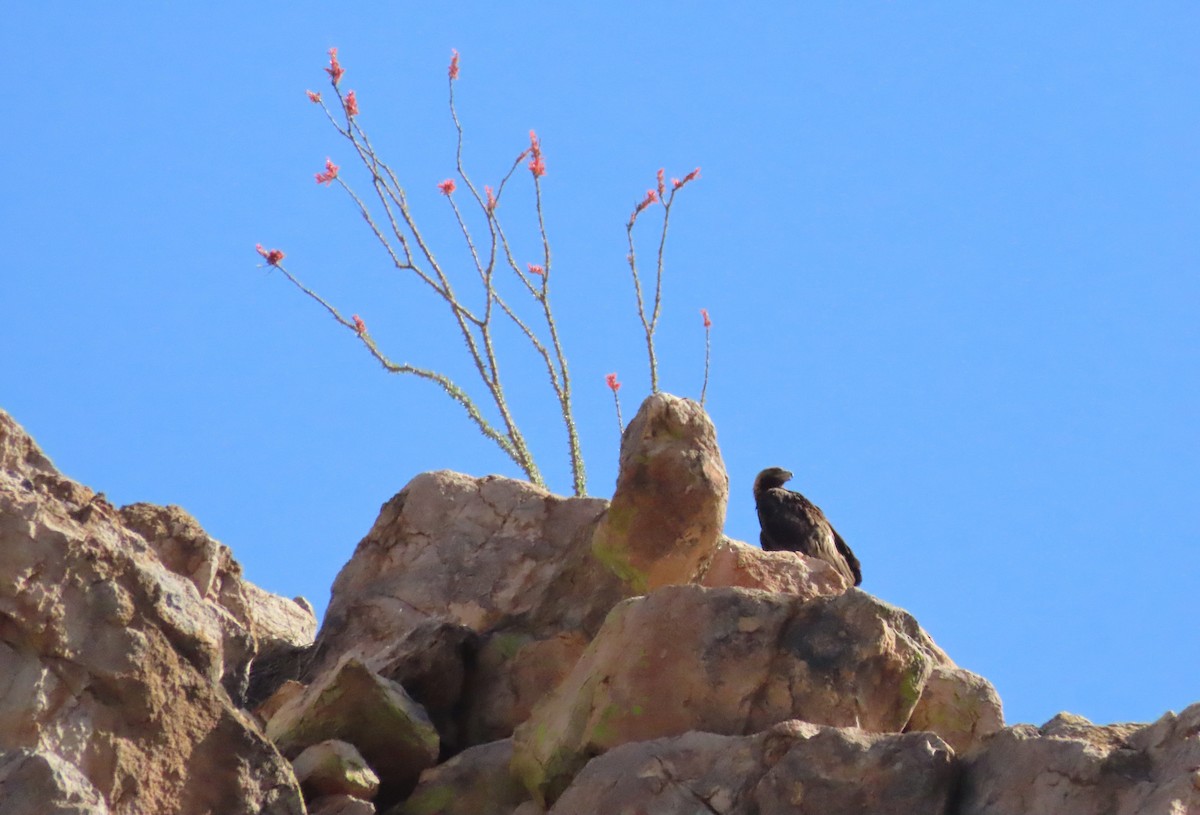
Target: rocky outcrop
x=793, y=768
x=726, y=661
x=352, y=703
x=111, y=664
x=460, y=581
x=738, y=682
x=668, y=510
x=1071, y=767
x=737, y=564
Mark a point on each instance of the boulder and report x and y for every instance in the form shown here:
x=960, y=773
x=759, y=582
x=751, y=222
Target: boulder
x=341, y=805
x=665, y=519
x=727, y=661
x=1071, y=767
x=961, y=707
x=37, y=783
x=112, y=662
x=794, y=768
x=475, y=782
x=352, y=703
x=739, y=564
x=452, y=560
x=334, y=767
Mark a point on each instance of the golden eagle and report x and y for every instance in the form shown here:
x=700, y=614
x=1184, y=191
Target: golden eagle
x=792, y=523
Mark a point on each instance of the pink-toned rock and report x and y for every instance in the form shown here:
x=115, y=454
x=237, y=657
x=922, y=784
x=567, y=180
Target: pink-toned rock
x=36, y=783
x=257, y=625
x=111, y=662
x=1071, y=767
x=748, y=567
x=728, y=661
x=514, y=671
x=475, y=782
x=334, y=767
x=795, y=768
x=489, y=555
x=961, y=707
x=352, y=703
x=341, y=805
x=668, y=510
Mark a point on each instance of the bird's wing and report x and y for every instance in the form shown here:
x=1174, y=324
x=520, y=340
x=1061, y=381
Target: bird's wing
x=787, y=518
x=845, y=551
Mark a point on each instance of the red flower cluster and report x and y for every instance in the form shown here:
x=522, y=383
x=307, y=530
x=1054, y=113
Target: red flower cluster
x=662, y=189
x=535, y=269
x=272, y=256
x=613, y=384
x=692, y=176
x=334, y=70
x=536, y=165
x=453, y=64
x=651, y=197
x=704, y=314
x=447, y=186
x=314, y=97
x=331, y=172
x=491, y=198
x=351, y=104
x=359, y=325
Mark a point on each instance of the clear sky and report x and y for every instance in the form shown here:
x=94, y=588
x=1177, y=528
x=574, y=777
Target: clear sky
x=950, y=253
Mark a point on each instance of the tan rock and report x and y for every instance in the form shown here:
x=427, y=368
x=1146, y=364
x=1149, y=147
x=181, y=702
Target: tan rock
x=334, y=767
x=256, y=624
x=36, y=783
x=111, y=662
x=795, y=768
x=341, y=805
x=739, y=564
x=488, y=554
x=666, y=515
x=961, y=707
x=1072, y=767
x=513, y=672
x=475, y=782
x=727, y=661
x=352, y=703
x=286, y=692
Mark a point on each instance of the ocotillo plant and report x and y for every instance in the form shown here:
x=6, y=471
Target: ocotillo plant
x=394, y=226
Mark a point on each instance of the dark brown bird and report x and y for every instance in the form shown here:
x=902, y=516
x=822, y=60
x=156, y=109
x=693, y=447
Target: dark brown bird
x=792, y=523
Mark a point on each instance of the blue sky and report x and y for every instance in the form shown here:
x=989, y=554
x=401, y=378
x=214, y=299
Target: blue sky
x=950, y=256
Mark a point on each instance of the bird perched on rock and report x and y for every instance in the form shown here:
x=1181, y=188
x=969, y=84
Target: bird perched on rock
x=792, y=523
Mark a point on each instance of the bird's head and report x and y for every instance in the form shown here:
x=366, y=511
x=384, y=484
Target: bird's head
x=772, y=477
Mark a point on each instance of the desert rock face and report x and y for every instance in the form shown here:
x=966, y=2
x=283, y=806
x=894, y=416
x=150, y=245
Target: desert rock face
x=1071, y=767
x=492, y=649
x=112, y=665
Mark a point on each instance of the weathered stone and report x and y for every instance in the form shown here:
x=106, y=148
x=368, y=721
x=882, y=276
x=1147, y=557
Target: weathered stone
x=112, y=662
x=283, y=694
x=741, y=565
x=341, y=805
x=334, y=767
x=256, y=623
x=961, y=707
x=513, y=672
x=37, y=783
x=354, y=704
x=666, y=515
x=453, y=553
x=728, y=661
x=1072, y=767
x=795, y=768
x=475, y=782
